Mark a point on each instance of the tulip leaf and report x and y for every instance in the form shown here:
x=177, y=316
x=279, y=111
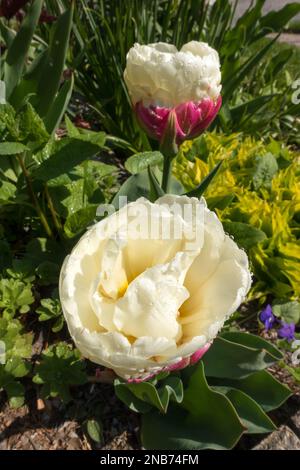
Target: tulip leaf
x=140, y=161
x=19, y=47
x=194, y=425
x=155, y=190
x=252, y=341
x=59, y=106
x=226, y=359
x=261, y=386
x=251, y=414
x=197, y=192
x=139, y=396
x=51, y=73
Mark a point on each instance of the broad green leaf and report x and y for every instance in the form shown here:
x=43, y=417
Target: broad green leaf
x=62, y=156
x=12, y=148
x=155, y=190
x=287, y=311
x=251, y=414
x=52, y=71
x=265, y=168
x=18, y=50
x=15, y=393
x=197, y=192
x=140, y=161
x=267, y=391
x=195, y=425
x=135, y=186
x=55, y=114
x=226, y=359
x=245, y=235
x=276, y=20
x=157, y=396
x=252, y=341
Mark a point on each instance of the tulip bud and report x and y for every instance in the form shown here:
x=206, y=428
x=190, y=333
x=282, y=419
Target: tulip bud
x=162, y=80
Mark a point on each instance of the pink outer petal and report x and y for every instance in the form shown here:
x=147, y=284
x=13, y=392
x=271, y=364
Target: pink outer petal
x=191, y=118
x=199, y=354
x=186, y=361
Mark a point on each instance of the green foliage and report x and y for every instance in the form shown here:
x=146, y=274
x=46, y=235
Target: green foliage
x=15, y=296
x=140, y=161
x=50, y=309
x=140, y=397
x=14, y=366
x=33, y=70
x=256, y=91
x=256, y=195
x=289, y=312
x=216, y=409
x=59, y=369
x=94, y=430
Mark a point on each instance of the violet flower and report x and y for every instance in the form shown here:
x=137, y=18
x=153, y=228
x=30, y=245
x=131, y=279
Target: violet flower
x=267, y=317
x=287, y=331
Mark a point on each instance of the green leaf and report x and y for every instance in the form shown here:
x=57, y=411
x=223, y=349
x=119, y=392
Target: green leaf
x=18, y=50
x=79, y=220
x=12, y=148
x=245, y=235
x=140, y=161
x=59, y=368
x=197, y=192
x=252, y=341
x=276, y=20
x=226, y=359
x=135, y=186
x=94, y=430
x=15, y=296
x=287, y=311
x=15, y=393
x=149, y=394
x=265, y=168
x=53, y=68
x=195, y=425
x=155, y=190
x=59, y=157
x=57, y=110
x=267, y=391
x=251, y=414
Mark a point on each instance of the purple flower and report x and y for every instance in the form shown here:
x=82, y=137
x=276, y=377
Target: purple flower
x=287, y=331
x=267, y=317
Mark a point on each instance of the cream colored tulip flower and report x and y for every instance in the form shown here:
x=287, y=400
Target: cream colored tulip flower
x=147, y=289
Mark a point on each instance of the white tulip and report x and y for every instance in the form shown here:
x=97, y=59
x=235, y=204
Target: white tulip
x=158, y=74
x=137, y=301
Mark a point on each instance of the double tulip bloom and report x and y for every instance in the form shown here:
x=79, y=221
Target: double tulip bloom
x=134, y=300
x=187, y=83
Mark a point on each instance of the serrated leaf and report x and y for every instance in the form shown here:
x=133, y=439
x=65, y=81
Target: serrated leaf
x=12, y=148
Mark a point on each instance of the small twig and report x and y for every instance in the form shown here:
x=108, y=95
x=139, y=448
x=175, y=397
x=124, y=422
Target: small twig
x=102, y=377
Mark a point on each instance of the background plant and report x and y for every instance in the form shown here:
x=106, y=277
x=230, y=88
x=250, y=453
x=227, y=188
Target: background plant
x=255, y=91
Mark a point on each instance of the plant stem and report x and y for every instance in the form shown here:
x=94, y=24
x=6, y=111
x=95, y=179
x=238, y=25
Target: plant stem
x=166, y=173
x=34, y=199
x=55, y=219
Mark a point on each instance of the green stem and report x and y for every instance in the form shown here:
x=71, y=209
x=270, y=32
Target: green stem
x=34, y=199
x=166, y=173
x=55, y=219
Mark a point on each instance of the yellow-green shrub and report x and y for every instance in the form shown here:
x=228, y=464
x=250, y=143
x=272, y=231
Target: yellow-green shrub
x=257, y=195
